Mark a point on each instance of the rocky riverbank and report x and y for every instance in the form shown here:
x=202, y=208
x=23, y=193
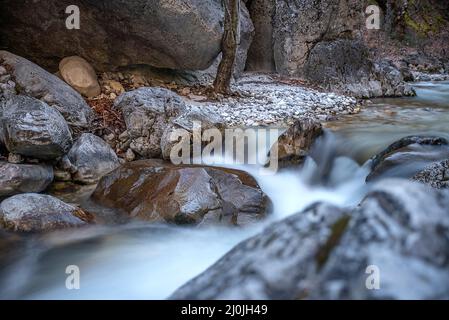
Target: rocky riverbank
x=99, y=106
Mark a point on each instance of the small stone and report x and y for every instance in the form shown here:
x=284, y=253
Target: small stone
x=15, y=158
x=80, y=75
x=130, y=156
x=115, y=86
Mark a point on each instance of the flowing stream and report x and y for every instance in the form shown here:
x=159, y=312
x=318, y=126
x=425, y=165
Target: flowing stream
x=143, y=261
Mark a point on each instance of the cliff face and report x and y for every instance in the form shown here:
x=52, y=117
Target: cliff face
x=327, y=42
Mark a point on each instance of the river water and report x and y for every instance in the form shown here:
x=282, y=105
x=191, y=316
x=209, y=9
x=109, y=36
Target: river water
x=143, y=261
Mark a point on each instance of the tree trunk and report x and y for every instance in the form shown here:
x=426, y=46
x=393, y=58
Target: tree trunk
x=222, y=83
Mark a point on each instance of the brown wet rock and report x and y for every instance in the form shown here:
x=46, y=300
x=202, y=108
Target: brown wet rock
x=154, y=190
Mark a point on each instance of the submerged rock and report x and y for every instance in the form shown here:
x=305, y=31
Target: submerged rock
x=91, y=158
x=153, y=190
x=34, y=81
x=80, y=75
x=400, y=229
x=408, y=156
x=31, y=128
x=30, y=212
x=23, y=178
x=436, y=175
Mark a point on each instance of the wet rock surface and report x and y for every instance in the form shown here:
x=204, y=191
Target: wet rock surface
x=324, y=252
x=30, y=212
x=31, y=128
x=91, y=158
x=408, y=156
x=292, y=146
x=23, y=178
x=31, y=80
x=153, y=190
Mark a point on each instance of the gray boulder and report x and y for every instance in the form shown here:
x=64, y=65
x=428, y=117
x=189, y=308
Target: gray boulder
x=179, y=34
x=408, y=156
x=31, y=128
x=91, y=158
x=30, y=212
x=345, y=66
x=147, y=112
x=151, y=114
x=275, y=264
x=34, y=81
x=322, y=42
x=436, y=175
x=401, y=230
x=23, y=178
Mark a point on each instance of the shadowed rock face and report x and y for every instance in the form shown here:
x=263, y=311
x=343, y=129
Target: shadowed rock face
x=175, y=34
x=323, y=253
x=157, y=191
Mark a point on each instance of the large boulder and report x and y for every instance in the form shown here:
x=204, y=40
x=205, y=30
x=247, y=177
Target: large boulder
x=400, y=234
x=91, y=158
x=408, y=156
x=31, y=212
x=152, y=114
x=34, y=81
x=400, y=229
x=31, y=128
x=23, y=178
x=179, y=34
x=345, y=66
x=322, y=42
x=147, y=112
x=247, y=273
x=157, y=191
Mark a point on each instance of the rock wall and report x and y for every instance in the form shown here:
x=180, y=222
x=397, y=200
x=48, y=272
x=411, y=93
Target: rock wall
x=327, y=43
x=174, y=34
